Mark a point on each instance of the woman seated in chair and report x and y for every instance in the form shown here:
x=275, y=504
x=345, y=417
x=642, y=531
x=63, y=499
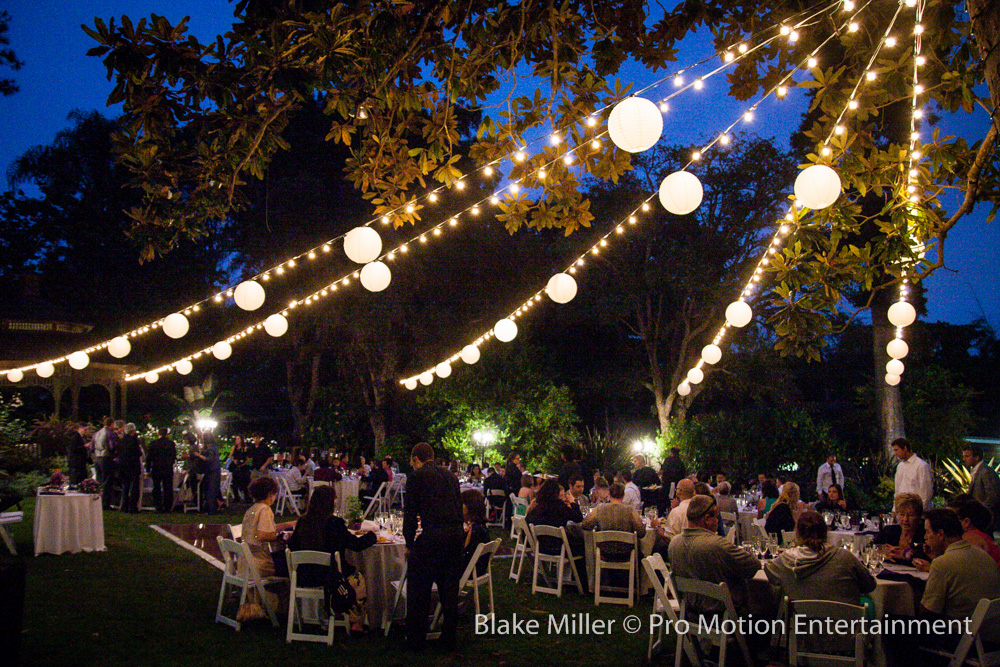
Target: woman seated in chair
x=474, y=515
x=549, y=508
x=615, y=515
x=259, y=529
x=834, y=501
x=320, y=530
x=905, y=538
x=785, y=513
x=527, y=487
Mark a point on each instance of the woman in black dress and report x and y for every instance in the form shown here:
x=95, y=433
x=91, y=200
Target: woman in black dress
x=474, y=514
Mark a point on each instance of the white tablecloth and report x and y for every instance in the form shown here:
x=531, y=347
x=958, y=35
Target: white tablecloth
x=381, y=564
x=347, y=488
x=72, y=522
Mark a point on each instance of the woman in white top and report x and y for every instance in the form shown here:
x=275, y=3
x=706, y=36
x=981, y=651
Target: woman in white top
x=259, y=528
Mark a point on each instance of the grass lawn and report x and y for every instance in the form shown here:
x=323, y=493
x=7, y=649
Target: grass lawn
x=147, y=601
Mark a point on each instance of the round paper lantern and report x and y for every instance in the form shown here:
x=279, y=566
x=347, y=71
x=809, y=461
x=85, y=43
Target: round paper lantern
x=362, y=245
x=426, y=378
x=151, y=377
x=683, y=389
x=175, y=325
x=711, y=353
x=561, y=288
x=739, y=314
x=375, y=276
x=681, y=192
x=891, y=380
x=895, y=367
x=276, y=325
x=695, y=375
x=505, y=330
x=249, y=295
x=410, y=384
x=635, y=125
x=79, y=360
x=45, y=370
x=443, y=369
x=222, y=350
x=817, y=187
x=470, y=354
x=897, y=348
x=119, y=347
x=183, y=367
x=902, y=314
x=15, y=376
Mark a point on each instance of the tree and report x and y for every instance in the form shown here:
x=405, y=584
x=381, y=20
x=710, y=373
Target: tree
x=7, y=57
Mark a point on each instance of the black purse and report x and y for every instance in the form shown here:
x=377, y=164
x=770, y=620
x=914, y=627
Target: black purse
x=339, y=593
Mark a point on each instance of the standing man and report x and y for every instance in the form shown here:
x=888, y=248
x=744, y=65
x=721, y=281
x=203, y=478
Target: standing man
x=160, y=464
x=913, y=474
x=672, y=471
x=985, y=484
x=432, y=496
x=77, y=455
x=571, y=468
x=103, y=444
x=260, y=458
x=828, y=474
x=131, y=469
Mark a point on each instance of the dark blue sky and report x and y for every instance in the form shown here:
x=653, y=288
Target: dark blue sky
x=58, y=77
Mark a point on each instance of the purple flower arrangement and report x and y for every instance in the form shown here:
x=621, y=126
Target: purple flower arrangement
x=90, y=485
x=57, y=480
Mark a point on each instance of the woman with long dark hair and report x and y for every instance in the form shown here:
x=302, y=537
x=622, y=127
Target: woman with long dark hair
x=549, y=508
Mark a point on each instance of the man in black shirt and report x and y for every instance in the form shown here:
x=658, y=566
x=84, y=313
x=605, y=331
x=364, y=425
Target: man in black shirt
x=260, y=458
x=432, y=495
x=571, y=467
x=381, y=472
x=160, y=465
x=77, y=455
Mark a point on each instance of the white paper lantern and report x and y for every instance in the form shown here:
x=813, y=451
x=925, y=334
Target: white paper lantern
x=505, y=330
x=443, y=369
x=249, y=295
x=183, y=367
x=79, y=360
x=375, y=276
x=410, y=384
x=119, y=347
x=362, y=245
x=45, y=370
x=683, y=389
x=15, y=376
x=695, y=375
x=902, y=314
x=222, y=350
x=635, y=125
x=276, y=325
x=897, y=348
x=739, y=314
x=711, y=353
x=817, y=187
x=470, y=354
x=561, y=288
x=891, y=380
x=894, y=367
x=151, y=377
x=175, y=325
x=681, y=192
x=426, y=378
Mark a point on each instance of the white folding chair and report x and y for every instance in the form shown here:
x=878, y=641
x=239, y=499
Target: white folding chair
x=559, y=560
x=665, y=604
x=985, y=619
x=192, y=499
x=241, y=573
x=600, y=565
x=226, y=486
x=377, y=502
x=236, y=530
x=316, y=595
x=494, y=507
x=689, y=642
x=823, y=648
x=399, y=597
x=523, y=547
x=314, y=484
x=788, y=537
x=286, y=498
x=8, y=539
x=519, y=507
x=729, y=520
x=472, y=579
x=180, y=492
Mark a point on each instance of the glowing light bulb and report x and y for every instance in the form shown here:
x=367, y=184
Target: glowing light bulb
x=555, y=139
x=595, y=144
x=782, y=91
x=385, y=220
x=311, y=255
x=921, y=61
x=664, y=107
x=591, y=121
x=515, y=188
x=918, y=29
x=724, y=139
x=494, y=200
x=542, y=173
x=743, y=48
x=785, y=30
x=645, y=206
x=853, y=26
x=291, y=263
x=696, y=155
x=459, y=185
x=918, y=89
x=453, y=222
x=870, y=76
x=812, y=62
x=475, y=211
x=794, y=36
x=678, y=81
x=918, y=113
x=914, y=135
x=826, y=151
x=326, y=247
x=728, y=57
x=568, y=160
x=839, y=129
x=916, y=155
x=433, y=197
x=848, y=6
x=410, y=208
x=437, y=230
x=748, y=116
x=890, y=42
x=853, y=104
x=519, y=156
x=698, y=84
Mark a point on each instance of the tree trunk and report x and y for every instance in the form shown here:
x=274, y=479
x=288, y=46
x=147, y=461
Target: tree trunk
x=888, y=399
x=985, y=16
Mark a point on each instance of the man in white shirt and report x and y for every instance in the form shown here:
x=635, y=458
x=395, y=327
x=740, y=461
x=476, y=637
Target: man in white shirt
x=913, y=474
x=677, y=520
x=828, y=474
x=633, y=497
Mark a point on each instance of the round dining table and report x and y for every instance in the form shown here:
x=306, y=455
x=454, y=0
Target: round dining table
x=68, y=522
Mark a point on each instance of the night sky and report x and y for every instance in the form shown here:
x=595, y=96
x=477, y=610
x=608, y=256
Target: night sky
x=58, y=77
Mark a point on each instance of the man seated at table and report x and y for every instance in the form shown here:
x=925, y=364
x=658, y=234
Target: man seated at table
x=327, y=473
x=725, y=501
x=574, y=492
x=677, y=519
x=615, y=515
x=699, y=552
x=633, y=496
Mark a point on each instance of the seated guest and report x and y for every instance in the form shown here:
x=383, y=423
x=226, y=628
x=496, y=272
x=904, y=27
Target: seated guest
x=834, y=500
x=574, y=492
x=699, y=552
x=476, y=533
x=601, y=491
x=259, y=528
x=815, y=570
x=643, y=475
x=615, y=515
x=906, y=538
x=768, y=496
x=298, y=480
x=344, y=462
x=633, y=497
x=310, y=463
x=702, y=489
x=977, y=523
x=549, y=508
x=326, y=473
x=782, y=516
x=475, y=473
x=527, y=487
x=962, y=575
x=379, y=474
x=495, y=482
x=363, y=467
x=677, y=519
x=320, y=530
x=725, y=501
